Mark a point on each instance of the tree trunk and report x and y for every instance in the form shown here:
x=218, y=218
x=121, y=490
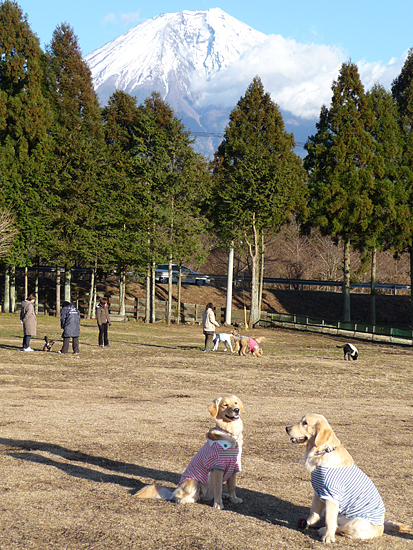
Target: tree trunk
x=346, y=283
x=254, y=254
x=12, y=289
x=411, y=283
x=169, y=304
x=36, y=287
x=91, y=291
x=68, y=284
x=373, y=287
x=94, y=299
x=26, y=281
x=178, y=304
x=261, y=273
x=122, y=292
x=6, y=301
x=153, y=294
x=58, y=281
x=148, y=296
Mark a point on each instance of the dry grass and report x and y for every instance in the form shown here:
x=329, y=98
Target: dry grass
x=81, y=434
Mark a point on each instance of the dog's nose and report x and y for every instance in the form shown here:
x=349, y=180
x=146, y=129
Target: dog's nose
x=236, y=411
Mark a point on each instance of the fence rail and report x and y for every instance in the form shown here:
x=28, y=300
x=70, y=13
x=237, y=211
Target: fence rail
x=355, y=330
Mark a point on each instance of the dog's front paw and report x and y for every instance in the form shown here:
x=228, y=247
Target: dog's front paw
x=218, y=505
x=235, y=500
x=326, y=537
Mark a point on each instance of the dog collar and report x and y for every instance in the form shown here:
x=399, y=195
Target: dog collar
x=325, y=451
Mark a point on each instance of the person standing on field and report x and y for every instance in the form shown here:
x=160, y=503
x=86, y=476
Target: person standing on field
x=103, y=320
x=70, y=323
x=208, y=326
x=28, y=320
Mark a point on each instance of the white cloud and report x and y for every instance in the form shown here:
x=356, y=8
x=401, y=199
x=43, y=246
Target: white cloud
x=373, y=73
x=110, y=19
x=130, y=18
x=298, y=76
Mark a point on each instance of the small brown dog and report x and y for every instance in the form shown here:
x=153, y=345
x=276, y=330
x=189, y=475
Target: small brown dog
x=217, y=462
x=338, y=485
x=48, y=345
x=245, y=343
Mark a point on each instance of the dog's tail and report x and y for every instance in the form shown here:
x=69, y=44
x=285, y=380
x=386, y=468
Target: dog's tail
x=340, y=347
x=154, y=491
x=46, y=339
x=390, y=527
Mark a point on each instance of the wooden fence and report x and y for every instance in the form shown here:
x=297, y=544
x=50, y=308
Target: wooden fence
x=190, y=313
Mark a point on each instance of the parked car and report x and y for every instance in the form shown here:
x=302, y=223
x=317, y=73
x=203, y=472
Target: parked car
x=189, y=276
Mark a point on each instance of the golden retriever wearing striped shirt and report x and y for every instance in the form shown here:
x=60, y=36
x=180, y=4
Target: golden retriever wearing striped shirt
x=217, y=462
x=338, y=485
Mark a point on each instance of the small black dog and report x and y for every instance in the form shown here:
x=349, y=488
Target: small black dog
x=48, y=345
x=350, y=352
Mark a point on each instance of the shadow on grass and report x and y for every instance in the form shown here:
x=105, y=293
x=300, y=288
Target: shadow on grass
x=262, y=506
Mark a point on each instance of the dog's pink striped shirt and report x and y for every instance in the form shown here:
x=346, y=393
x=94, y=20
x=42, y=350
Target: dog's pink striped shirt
x=213, y=455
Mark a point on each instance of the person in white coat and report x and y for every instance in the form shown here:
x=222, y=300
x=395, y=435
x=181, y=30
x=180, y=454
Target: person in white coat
x=208, y=326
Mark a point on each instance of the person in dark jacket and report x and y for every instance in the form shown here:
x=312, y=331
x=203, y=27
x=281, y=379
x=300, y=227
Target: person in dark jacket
x=70, y=323
x=103, y=320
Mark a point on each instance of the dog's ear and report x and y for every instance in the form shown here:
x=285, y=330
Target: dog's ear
x=325, y=435
x=239, y=403
x=213, y=407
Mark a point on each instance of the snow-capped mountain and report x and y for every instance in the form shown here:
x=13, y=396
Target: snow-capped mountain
x=169, y=54
x=190, y=58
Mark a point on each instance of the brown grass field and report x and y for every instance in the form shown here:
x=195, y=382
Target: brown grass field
x=81, y=434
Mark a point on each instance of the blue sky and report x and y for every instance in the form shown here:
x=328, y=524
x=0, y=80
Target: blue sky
x=373, y=30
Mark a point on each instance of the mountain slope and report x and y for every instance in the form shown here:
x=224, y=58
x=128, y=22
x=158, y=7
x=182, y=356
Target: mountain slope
x=167, y=54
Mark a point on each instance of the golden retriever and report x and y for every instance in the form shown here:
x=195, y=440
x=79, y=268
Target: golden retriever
x=217, y=462
x=338, y=485
x=245, y=343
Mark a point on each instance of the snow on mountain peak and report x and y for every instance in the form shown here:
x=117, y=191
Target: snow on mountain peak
x=170, y=47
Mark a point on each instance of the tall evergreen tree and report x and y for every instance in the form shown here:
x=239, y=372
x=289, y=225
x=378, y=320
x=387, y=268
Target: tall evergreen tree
x=24, y=121
x=77, y=166
x=176, y=181
x=339, y=164
x=402, y=91
x=388, y=194
x=258, y=180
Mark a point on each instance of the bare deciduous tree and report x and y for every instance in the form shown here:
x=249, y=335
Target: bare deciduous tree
x=8, y=231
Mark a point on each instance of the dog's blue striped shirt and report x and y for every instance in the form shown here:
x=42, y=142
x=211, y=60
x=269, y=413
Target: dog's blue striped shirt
x=352, y=489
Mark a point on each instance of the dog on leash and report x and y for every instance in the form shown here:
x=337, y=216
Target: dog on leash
x=245, y=343
x=48, y=344
x=217, y=462
x=225, y=338
x=350, y=500
x=350, y=352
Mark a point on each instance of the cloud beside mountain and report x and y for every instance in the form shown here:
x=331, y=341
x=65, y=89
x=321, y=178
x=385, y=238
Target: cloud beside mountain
x=298, y=76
